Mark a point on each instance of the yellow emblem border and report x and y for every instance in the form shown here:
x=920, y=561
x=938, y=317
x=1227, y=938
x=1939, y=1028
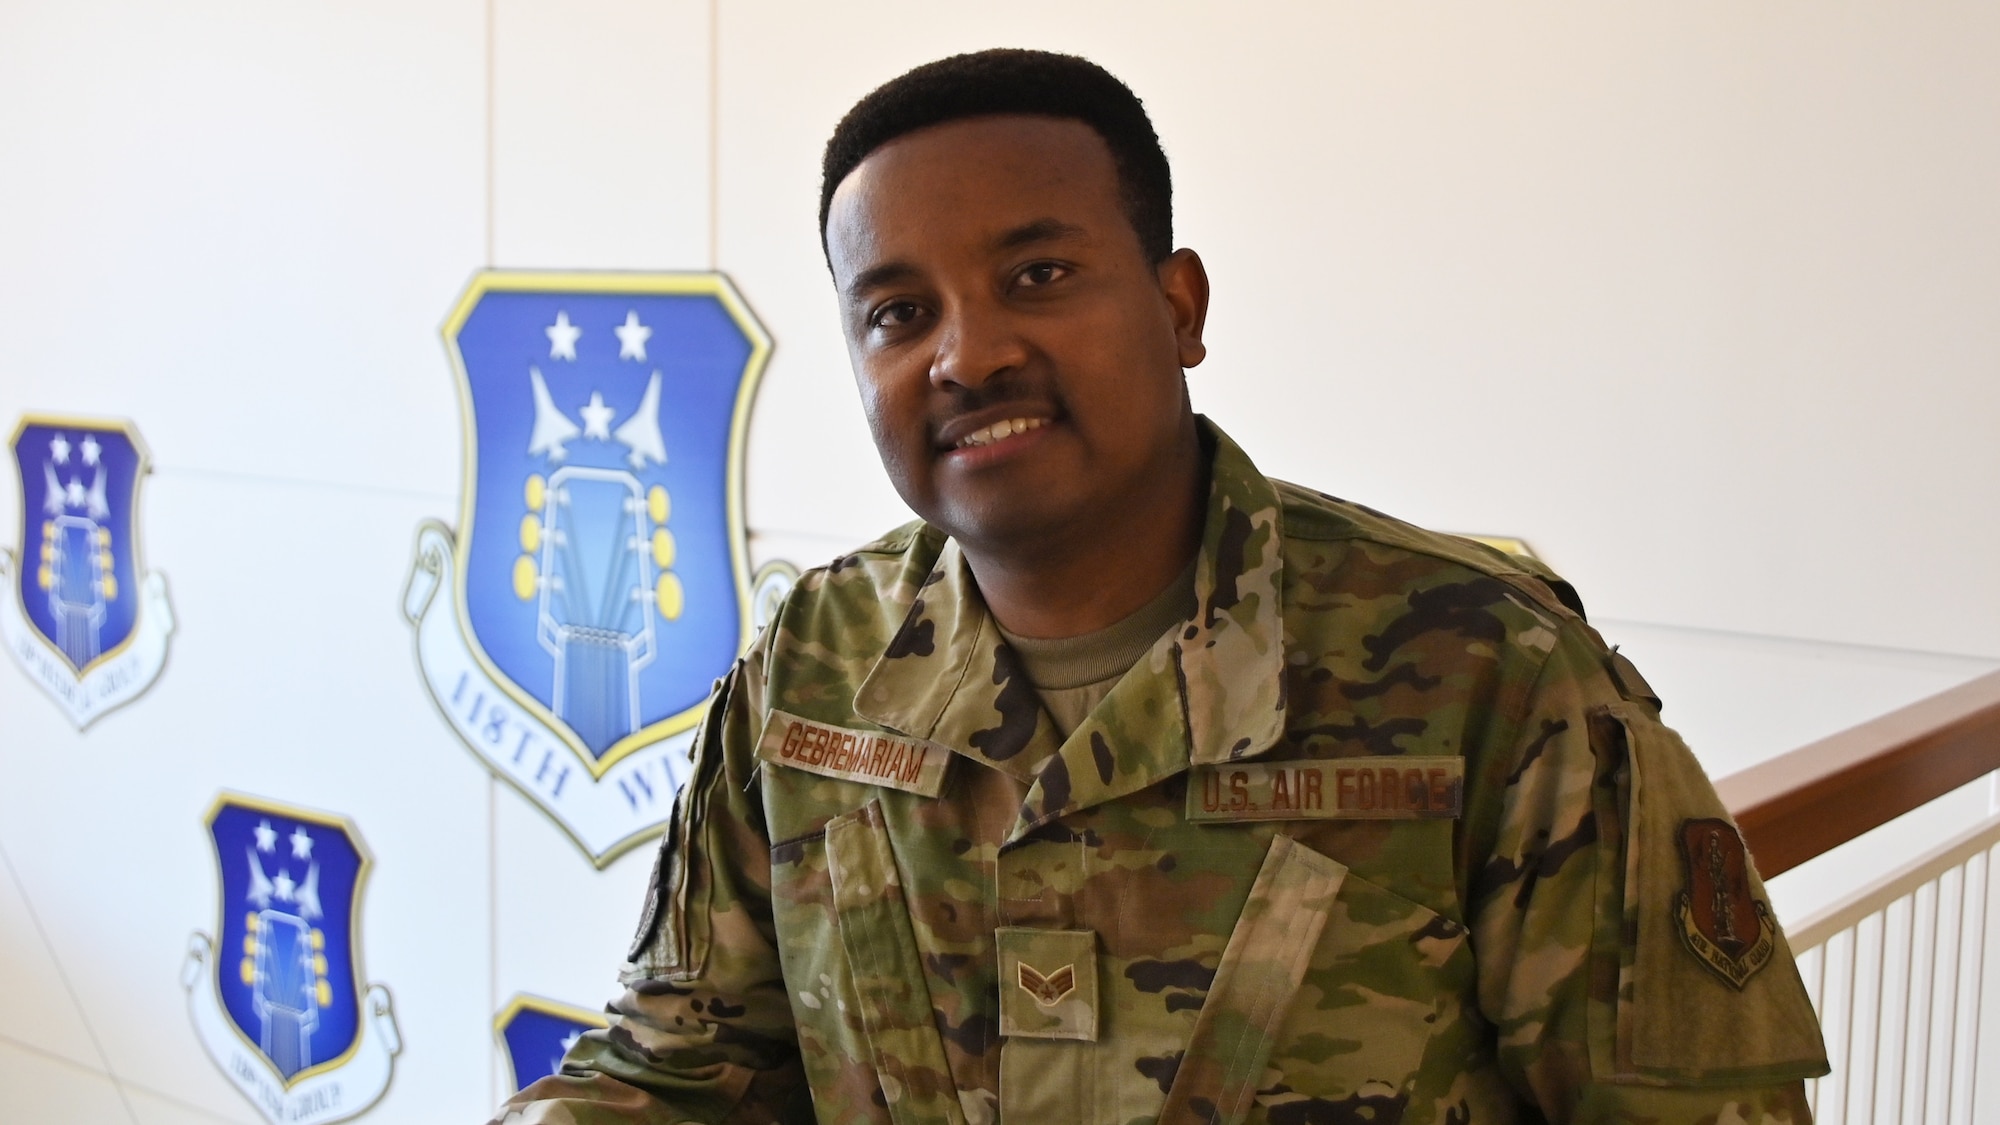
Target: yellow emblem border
x=356, y=985
x=131, y=431
x=648, y=283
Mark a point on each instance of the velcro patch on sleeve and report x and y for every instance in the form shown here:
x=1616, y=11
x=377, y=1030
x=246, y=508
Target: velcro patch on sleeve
x=1724, y=925
x=866, y=756
x=1330, y=789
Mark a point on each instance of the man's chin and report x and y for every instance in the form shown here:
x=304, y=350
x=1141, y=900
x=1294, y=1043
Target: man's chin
x=1024, y=528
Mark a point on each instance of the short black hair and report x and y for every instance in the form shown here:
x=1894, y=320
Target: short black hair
x=1009, y=81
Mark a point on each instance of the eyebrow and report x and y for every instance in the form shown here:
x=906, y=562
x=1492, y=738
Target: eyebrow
x=876, y=276
x=1027, y=234
x=1041, y=230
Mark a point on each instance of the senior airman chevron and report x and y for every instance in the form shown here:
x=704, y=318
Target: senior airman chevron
x=1411, y=788
x=869, y=757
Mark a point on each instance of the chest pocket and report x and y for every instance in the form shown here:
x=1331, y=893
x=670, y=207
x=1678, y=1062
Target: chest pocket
x=1326, y=998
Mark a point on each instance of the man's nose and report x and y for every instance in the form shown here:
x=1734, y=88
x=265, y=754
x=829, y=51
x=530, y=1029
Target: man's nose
x=976, y=341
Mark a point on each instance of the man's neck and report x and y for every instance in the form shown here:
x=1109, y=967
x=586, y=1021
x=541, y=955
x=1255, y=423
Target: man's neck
x=1092, y=576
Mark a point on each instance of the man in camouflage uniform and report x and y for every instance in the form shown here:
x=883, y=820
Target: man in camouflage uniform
x=1131, y=785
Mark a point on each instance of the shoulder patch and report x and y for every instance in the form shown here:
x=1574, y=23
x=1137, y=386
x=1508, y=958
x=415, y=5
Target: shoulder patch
x=869, y=757
x=1721, y=922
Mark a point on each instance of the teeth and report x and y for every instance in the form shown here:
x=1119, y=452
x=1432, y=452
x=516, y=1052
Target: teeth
x=998, y=430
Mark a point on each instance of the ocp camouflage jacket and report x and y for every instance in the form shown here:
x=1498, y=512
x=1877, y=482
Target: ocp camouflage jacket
x=1381, y=834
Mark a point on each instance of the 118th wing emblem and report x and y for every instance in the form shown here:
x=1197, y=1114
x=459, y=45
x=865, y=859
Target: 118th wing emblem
x=597, y=583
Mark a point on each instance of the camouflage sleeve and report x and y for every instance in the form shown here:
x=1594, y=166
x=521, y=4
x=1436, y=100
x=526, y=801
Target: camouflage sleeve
x=703, y=1032
x=1627, y=957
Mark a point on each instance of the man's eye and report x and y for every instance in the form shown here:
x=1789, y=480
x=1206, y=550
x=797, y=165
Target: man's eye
x=894, y=315
x=1042, y=273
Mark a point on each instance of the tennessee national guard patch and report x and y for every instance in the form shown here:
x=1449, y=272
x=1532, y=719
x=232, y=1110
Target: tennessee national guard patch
x=598, y=580
x=1385, y=788
x=84, y=618
x=865, y=756
x=1722, y=924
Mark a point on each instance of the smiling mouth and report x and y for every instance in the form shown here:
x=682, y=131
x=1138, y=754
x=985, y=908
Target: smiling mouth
x=1005, y=428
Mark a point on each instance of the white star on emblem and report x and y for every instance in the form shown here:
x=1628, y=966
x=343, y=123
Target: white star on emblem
x=562, y=337
x=90, y=450
x=267, y=836
x=59, y=449
x=302, y=844
x=75, y=493
x=284, y=885
x=597, y=418
x=632, y=337
x=569, y=1041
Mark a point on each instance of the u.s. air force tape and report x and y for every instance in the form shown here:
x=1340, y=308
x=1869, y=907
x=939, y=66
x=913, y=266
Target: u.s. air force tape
x=1330, y=789
x=870, y=757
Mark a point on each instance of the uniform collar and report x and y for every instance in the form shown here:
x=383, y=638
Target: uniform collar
x=1210, y=691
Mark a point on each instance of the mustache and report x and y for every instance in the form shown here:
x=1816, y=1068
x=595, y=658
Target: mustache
x=959, y=402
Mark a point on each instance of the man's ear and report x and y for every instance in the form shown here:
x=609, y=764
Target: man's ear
x=1185, y=284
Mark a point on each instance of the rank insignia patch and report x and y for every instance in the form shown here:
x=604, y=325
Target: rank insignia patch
x=1051, y=983
x=598, y=581
x=535, y=1033
x=86, y=620
x=1721, y=922
x=1049, y=990
x=277, y=995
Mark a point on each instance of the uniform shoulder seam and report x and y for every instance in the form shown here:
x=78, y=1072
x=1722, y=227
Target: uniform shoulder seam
x=1365, y=523
x=1328, y=518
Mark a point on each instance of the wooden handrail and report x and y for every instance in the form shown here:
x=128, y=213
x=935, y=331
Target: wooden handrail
x=1800, y=804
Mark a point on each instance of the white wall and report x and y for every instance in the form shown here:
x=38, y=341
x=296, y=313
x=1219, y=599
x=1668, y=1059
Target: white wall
x=1696, y=297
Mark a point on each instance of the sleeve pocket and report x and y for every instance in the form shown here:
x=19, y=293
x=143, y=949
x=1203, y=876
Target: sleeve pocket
x=1707, y=990
x=671, y=941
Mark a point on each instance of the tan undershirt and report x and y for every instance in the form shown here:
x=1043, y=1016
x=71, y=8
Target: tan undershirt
x=1074, y=674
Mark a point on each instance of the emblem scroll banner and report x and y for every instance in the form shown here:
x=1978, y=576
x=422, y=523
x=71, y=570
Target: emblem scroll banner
x=83, y=617
x=115, y=682
x=597, y=584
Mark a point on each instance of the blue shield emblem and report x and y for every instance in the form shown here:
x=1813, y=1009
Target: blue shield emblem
x=535, y=1033
x=277, y=996
x=599, y=578
x=89, y=624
